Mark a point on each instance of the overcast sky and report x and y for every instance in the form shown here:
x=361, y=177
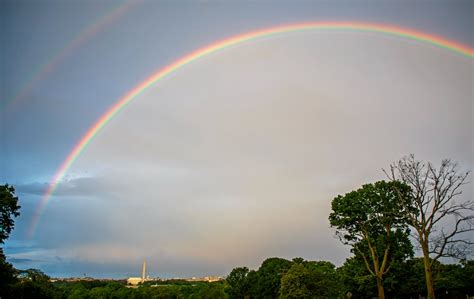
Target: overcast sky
x=235, y=157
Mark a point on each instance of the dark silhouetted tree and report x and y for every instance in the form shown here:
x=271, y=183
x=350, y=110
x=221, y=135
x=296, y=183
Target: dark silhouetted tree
x=9, y=209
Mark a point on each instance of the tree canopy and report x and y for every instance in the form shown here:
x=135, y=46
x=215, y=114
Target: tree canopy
x=371, y=220
x=9, y=209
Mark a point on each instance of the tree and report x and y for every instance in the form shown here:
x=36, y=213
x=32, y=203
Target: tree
x=370, y=220
x=238, y=283
x=325, y=279
x=296, y=283
x=269, y=277
x=435, y=206
x=33, y=283
x=468, y=276
x=9, y=209
x=7, y=277
x=407, y=279
x=356, y=279
x=211, y=291
x=100, y=293
x=309, y=279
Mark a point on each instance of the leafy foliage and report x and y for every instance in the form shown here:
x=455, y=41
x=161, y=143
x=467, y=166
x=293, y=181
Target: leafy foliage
x=354, y=277
x=297, y=283
x=239, y=284
x=371, y=220
x=269, y=277
x=9, y=209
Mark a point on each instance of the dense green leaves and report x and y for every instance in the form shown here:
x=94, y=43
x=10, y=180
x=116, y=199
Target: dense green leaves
x=363, y=213
x=354, y=277
x=297, y=283
x=278, y=277
x=9, y=209
x=309, y=279
x=239, y=284
x=372, y=220
x=269, y=277
x=185, y=290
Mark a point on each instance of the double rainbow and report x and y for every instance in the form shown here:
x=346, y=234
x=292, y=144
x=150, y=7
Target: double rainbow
x=154, y=78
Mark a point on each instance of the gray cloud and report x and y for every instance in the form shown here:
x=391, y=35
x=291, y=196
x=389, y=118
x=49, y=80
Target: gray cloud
x=76, y=186
x=20, y=261
x=32, y=188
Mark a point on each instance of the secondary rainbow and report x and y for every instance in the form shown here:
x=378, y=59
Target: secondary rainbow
x=80, y=39
x=222, y=44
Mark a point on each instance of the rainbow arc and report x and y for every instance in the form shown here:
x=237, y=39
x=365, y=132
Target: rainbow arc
x=220, y=45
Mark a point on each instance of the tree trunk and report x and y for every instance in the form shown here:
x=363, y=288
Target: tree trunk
x=380, y=288
x=428, y=272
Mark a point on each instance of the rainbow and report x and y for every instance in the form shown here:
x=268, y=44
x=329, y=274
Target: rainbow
x=217, y=46
x=86, y=34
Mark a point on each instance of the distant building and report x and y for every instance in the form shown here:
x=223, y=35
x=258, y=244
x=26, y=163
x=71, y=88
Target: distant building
x=206, y=278
x=136, y=280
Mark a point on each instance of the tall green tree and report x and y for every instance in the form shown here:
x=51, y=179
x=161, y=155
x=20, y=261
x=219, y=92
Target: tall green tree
x=325, y=277
x=406, y=279
x=371, y=220
x=310, y=279
x=269, y=277
x=33, y=283
x=441, y=219
x=237, y=280
x=9, y=209
x=297, y=283
x=354, y=278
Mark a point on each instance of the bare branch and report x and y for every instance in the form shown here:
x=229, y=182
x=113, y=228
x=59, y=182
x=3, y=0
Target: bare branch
x=434, y=204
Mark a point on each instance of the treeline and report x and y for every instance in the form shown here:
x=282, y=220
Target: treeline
x=275, y=278
x=280, y=278
x=36, y=285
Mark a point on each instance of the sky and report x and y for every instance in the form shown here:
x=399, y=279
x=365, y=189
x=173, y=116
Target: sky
x=236, y=156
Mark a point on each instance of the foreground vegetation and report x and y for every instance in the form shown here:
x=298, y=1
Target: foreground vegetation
x=275, y=278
